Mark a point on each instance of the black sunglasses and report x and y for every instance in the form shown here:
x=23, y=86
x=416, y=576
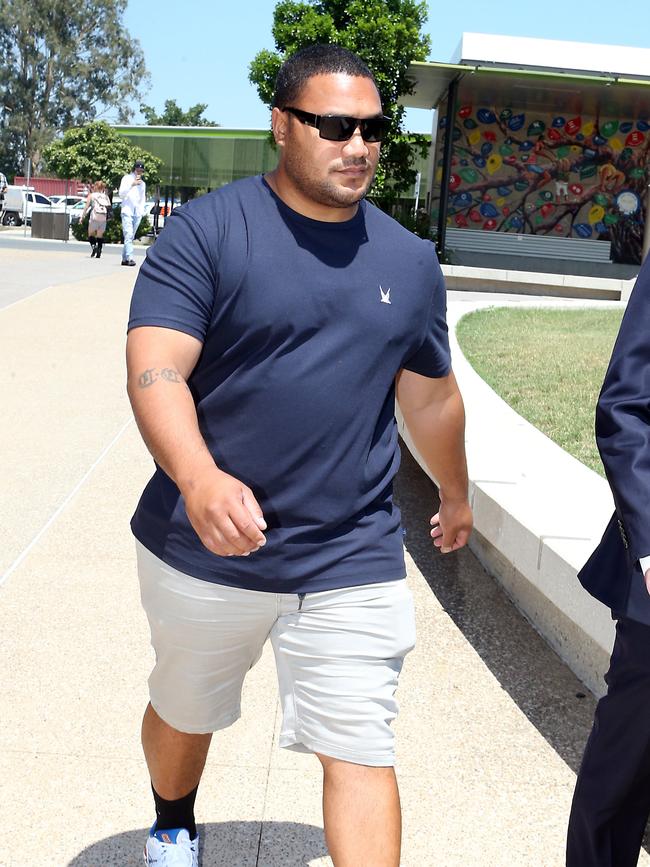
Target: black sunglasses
x=335, y=127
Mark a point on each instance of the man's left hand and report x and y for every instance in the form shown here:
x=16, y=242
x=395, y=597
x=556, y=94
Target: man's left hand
x=452, y=525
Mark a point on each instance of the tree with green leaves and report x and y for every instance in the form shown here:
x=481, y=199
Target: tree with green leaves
x=97, y=152
x=387, y=35
x=173, y=115
x=63, y=64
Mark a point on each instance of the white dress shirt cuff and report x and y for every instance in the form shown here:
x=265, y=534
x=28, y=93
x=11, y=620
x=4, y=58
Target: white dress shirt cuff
x=645, y=563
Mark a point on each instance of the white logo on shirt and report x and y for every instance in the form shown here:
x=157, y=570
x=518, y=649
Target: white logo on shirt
x=385, y=296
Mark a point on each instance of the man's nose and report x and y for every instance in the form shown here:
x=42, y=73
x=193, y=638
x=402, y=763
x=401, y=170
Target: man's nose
x=356, y=146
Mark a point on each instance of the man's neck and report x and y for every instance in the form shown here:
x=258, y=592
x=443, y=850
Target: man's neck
x=286, y=190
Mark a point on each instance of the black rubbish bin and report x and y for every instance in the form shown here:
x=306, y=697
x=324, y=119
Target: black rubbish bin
x=54, y=226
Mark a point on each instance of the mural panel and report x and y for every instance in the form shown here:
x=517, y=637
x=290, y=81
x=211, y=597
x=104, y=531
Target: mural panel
x=548, y=174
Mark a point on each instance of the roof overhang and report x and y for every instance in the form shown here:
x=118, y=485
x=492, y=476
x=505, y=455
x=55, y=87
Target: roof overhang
x=213, y=132
x=430, y=83
x=529, y=89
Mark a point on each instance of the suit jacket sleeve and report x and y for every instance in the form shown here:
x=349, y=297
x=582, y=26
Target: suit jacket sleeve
x=623, y=419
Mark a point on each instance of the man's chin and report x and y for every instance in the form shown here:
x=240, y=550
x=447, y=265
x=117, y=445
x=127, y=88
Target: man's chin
x=353, y=191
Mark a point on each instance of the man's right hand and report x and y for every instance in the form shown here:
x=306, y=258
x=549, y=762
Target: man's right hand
x=225, y=514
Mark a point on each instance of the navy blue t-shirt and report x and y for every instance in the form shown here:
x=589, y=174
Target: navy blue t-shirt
x=304, y=326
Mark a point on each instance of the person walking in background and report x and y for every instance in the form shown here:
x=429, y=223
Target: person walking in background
x=611, y=803
x=3, y=190
x=133, y=194
x=98, y=207
x=272, y=325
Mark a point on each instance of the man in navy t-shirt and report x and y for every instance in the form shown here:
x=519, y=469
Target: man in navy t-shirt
x=271, y=328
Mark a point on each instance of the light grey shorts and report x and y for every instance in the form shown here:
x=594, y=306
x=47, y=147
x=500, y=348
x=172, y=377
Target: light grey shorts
x=338, y=658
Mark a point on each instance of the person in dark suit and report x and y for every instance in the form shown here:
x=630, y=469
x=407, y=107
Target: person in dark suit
x=611, y=802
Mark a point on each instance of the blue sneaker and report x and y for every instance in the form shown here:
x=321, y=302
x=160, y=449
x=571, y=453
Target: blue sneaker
x=171, y=848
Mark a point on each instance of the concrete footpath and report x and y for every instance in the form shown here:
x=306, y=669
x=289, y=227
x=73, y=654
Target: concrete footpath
x=492, y=724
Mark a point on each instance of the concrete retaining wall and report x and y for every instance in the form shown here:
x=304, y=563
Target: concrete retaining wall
x=464, y=278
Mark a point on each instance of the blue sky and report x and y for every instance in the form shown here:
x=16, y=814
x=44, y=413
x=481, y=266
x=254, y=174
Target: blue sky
x=199, y=50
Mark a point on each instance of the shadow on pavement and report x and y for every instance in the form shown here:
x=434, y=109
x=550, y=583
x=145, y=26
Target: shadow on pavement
x=545, y=689
x=542, y=686
x=223, y=844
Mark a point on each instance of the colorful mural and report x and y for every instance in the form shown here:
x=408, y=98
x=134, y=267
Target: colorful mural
x=547, y=174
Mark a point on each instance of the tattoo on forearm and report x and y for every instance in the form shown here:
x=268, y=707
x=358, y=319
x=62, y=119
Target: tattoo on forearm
x=148, y=377
x=171, y=375
x=152, y=374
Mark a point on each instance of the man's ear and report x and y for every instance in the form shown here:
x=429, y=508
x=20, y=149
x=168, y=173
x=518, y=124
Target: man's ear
x=279, y=122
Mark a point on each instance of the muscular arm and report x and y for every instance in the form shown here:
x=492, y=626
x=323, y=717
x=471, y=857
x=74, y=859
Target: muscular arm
x=222, y=510
x=435, y=417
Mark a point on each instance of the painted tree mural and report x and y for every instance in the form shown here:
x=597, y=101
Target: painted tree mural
x=548, y=174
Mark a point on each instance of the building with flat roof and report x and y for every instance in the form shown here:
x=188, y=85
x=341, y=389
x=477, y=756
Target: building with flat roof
x=541, y=139
x=204, y=156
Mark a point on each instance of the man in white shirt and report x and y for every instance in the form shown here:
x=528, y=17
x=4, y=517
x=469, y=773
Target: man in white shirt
x=133, y=194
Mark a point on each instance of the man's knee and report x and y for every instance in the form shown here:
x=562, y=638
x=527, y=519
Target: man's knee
x=340, y=769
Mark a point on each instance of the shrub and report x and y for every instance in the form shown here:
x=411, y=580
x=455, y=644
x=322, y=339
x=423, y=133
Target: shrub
x=113, y=233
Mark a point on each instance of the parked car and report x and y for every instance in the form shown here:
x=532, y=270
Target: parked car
x=76, y=211
x=64, y=203
x=19, y=204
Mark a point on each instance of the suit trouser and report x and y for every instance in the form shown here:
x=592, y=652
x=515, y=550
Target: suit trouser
x=611, y=802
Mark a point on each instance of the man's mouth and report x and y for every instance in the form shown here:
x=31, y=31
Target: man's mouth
x=353, y=170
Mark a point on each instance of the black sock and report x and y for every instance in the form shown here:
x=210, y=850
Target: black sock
x=176, y=814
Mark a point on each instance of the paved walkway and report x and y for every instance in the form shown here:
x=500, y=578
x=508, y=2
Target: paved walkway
x=30, y=269
x=492, y=724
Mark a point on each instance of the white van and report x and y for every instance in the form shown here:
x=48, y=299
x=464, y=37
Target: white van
x=20, y=202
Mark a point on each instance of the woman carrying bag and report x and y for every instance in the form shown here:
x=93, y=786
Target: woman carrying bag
x=99, y=205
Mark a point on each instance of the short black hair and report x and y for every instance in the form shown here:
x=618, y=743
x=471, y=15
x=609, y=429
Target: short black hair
x=326, y=59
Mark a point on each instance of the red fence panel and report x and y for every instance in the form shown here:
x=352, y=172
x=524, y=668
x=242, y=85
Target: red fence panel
x=54, y=186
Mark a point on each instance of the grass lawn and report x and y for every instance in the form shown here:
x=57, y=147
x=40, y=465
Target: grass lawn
x=548, y=365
